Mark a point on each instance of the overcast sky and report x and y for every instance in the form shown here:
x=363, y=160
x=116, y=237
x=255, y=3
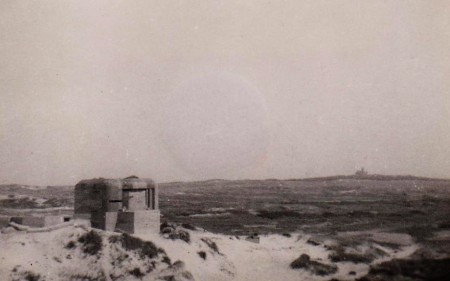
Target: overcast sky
x=186, y=90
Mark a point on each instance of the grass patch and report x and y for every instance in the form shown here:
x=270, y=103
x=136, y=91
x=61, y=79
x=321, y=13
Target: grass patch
x=278, y=214
x=188, y=226
x=420, y=233
x=20, y=203
x=402, y=269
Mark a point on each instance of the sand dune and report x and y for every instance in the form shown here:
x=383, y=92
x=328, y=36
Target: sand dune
x=208, y=256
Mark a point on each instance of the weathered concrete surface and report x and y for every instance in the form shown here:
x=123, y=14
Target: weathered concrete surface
x=135, y=200
x=138, y=222
x=94, y=196
x=110, y=195
x=104, y=220
x=4, y=221
x=53, y=220
x=38, y=221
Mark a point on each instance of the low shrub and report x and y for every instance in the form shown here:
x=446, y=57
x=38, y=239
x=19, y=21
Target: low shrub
x=187, y=275
x=53, y=202
x=161, y=251
x=180, y=234
x=202, y=254
x=91, y=243
x=211, y=244
x=410, y=269
x=136, y=272
x=24, y=275
x=85, y=277
x=167, y=230
x=166, y=224
x=341, y=256
x=168, y=278
x=130, y=243
x=70, y=245
x=444, y=225
x=166, y=260
x=350, y=257
x=313, y=242
x=30, y=276
x=300, y=262
x=317, y=268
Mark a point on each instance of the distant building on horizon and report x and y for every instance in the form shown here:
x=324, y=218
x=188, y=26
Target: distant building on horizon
x=361, y=172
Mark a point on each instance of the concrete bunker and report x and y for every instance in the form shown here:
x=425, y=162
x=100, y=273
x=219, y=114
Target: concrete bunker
x=125, y=205
x=40, y=221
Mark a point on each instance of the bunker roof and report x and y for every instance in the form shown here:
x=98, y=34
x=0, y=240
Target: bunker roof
x=132, y=182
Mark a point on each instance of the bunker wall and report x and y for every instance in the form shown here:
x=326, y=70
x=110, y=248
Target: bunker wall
x=138, y=222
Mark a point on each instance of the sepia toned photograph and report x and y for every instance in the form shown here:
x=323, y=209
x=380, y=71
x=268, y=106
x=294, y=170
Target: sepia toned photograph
x=256, y=140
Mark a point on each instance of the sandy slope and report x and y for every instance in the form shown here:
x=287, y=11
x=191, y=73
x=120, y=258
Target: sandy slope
x=269, y=260
x=46, y=254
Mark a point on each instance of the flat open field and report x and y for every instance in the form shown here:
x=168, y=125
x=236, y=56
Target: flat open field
x=416, y=206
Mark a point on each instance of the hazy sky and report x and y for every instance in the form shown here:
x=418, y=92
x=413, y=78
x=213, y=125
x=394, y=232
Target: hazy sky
x=184, y=90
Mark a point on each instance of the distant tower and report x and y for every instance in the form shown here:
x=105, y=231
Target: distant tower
x=127, y=205
x=361, y=173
